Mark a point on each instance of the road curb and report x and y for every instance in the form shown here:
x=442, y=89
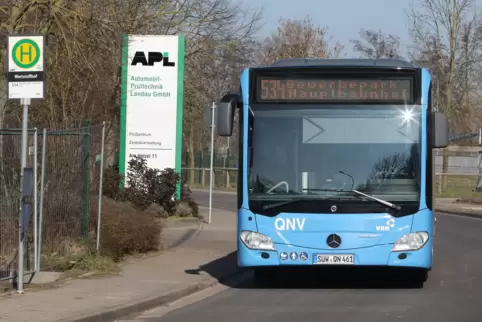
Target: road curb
x=459, y=213
x=151, y=302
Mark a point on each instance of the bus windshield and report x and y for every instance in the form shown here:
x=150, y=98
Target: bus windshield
x=323, y=152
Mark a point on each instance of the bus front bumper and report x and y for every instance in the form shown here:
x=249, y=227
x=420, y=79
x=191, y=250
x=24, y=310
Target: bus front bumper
x=379, y=255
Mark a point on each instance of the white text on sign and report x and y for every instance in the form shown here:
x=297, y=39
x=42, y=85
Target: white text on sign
x=289, y=223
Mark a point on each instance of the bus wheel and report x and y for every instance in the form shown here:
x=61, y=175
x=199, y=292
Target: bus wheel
x=419, y=277
x=264, y=276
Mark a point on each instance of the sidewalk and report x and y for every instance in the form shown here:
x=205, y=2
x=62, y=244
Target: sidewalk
x=459, y=206
x=198, y=263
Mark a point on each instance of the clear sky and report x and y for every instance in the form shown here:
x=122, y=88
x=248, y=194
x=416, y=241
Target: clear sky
x=344, y=18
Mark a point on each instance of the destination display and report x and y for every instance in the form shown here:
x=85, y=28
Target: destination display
x=277, y=89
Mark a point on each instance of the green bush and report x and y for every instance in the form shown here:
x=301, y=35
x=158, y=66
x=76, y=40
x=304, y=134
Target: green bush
x=147, y=188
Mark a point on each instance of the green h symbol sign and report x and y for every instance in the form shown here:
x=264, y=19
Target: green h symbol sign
x=28, y=53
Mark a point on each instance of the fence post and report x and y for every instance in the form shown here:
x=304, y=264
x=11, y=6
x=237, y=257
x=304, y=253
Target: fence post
x=228, y=164
x=35, y=200
x=478, y=187
x=42, y=195
x=101, y=179
x=85, y=177
x=440, y=183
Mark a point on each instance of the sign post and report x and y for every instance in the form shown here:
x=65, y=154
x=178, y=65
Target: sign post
x=211, y=166
x=26, y=81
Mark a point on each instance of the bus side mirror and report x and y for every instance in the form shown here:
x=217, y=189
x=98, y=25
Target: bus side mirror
x=441, y=130
x=225, y=119
x=226, y=114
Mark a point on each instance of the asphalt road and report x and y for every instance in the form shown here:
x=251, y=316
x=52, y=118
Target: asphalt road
x=221, y=200
x=452, y=293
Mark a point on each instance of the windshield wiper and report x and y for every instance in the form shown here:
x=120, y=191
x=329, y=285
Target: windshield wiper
x=383, y=202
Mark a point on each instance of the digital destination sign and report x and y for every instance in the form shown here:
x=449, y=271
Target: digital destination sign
x=277, y=89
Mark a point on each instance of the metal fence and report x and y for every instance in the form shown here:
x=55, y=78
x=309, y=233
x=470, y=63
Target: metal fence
x=463, y=183
x=195, y=171
x=225, y=178
x=10, y=142
x=462, y=177
x=202, y=159
x=463, y=170
x=67, y=171
x=70, y=192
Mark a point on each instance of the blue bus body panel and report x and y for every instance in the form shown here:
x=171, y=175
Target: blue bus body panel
x=369, y=237
x=245, y=97
x=355, y=230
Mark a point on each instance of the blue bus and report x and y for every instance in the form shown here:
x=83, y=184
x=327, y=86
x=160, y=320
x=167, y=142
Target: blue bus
x=335, y=164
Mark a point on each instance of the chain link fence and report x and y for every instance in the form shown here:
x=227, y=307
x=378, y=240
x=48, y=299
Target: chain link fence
x=10, y=143
x=71, y=170
x=67, y=170
x=195, y=171
x=461, y=177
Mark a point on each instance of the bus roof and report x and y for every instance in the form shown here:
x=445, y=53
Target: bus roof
x=352, y=62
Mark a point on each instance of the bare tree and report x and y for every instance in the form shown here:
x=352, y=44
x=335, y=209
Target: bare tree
x=83, y=61
x=446, y=38
x=298, y=39
x=376, y=44
x=215, y=56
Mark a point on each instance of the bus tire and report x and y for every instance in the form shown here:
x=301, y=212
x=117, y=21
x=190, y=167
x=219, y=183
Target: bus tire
x=264, y=276
x=419, y=277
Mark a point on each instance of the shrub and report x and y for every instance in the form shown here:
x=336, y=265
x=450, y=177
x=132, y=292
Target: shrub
x=112, y=181
x=149, y=189
x=186, y=198
x=147, y=186
x=126, y=230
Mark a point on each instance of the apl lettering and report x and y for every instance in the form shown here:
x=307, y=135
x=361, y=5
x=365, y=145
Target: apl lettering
x=289, y=223
x=152, y=57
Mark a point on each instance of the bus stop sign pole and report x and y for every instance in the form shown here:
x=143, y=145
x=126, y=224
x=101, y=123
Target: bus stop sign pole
x=21, y=224
x=25, y=81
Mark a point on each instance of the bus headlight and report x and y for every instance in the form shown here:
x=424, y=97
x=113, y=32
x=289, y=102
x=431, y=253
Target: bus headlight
x=412, y=241
x=256, y=240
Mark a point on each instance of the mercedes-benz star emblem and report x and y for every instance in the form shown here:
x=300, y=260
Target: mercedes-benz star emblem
x=333, y=241
x=333, y=208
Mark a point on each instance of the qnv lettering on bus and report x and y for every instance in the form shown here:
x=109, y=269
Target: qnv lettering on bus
x=289, y=223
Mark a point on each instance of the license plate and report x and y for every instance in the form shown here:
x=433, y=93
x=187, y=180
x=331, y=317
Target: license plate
x=338, y=259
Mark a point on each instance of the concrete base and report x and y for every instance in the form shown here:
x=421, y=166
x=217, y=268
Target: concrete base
x=45, y=277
